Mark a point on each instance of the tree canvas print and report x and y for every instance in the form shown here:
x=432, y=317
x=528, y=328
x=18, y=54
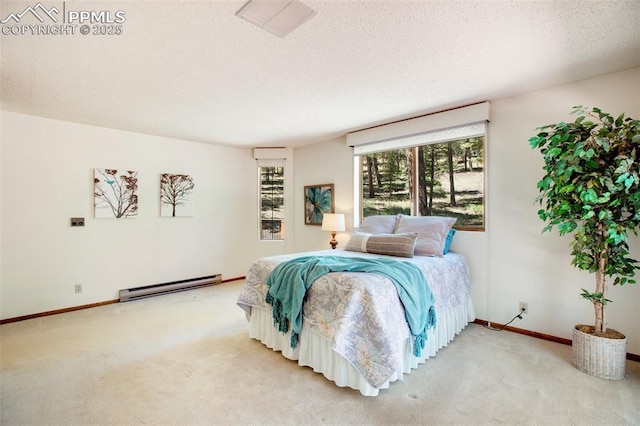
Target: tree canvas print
x=318, y=200
x=176, y=195
x=115, y=193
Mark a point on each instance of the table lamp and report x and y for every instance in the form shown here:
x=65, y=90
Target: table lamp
x=333, y=222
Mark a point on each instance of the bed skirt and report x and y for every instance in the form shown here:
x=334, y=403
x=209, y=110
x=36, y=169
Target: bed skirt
x=315, y=351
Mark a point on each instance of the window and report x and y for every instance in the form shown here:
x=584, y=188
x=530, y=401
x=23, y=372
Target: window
x=271, y=202
x=435, y=179
x=428, y=165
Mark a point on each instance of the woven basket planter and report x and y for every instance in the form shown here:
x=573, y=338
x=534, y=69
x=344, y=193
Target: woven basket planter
x=599, y=356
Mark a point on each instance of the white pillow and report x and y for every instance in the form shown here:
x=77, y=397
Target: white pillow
x=432, y=232
x=380, y=224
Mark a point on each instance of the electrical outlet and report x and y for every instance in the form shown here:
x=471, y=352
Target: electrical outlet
x=78, y=288
x=524, y=307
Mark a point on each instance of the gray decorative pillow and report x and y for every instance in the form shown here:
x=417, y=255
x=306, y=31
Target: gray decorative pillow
x=381, y=224
x=401, y=245
x=432, y=232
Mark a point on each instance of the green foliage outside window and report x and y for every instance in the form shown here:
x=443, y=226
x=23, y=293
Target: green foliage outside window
x=271, y=203
x=443, y=179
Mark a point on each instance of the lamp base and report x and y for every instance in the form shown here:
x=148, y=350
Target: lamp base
x=333, y=243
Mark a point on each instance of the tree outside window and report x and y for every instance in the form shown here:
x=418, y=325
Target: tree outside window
x=271, y=203
x=442, y=179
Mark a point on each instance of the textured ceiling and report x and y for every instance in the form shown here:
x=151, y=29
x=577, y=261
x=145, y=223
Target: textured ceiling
x=193, y=70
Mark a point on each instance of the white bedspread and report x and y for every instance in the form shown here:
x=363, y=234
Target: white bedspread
x=360, y=314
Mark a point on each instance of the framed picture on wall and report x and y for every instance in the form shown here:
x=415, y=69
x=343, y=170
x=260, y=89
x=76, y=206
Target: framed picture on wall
x=318, y=200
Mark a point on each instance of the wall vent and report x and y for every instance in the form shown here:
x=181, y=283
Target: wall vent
x=278, y=17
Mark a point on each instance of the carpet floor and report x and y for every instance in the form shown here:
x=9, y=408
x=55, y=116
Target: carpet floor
x=186, y=359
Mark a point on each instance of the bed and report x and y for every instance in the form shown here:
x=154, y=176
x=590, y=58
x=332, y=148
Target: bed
x=354, y=329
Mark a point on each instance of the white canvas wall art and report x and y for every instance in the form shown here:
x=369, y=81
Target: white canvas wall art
x=115, y=193
x=176, y=195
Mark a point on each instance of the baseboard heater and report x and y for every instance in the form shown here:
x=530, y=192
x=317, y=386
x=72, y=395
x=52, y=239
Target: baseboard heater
x=158, y=289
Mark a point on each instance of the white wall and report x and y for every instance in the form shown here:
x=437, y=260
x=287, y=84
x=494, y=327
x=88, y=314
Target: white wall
x=47, y=177
x=511, y=261
x=327, y=162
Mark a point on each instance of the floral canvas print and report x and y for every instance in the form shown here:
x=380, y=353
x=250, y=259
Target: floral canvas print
x=318, y=200
x=115, y=193
x=176, y=195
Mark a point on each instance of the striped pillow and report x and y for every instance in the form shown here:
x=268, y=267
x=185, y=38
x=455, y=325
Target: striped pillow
x=401, y=245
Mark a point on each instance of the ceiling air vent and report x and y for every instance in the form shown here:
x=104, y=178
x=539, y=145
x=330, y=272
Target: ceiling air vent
x=279, y=17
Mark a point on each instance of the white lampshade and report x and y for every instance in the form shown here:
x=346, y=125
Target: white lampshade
x=333, y=222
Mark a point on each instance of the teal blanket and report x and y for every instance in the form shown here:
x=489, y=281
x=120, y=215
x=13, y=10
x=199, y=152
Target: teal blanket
x=290, y=280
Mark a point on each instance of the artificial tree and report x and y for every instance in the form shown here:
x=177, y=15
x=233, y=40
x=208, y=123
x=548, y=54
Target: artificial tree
x=592, y=189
